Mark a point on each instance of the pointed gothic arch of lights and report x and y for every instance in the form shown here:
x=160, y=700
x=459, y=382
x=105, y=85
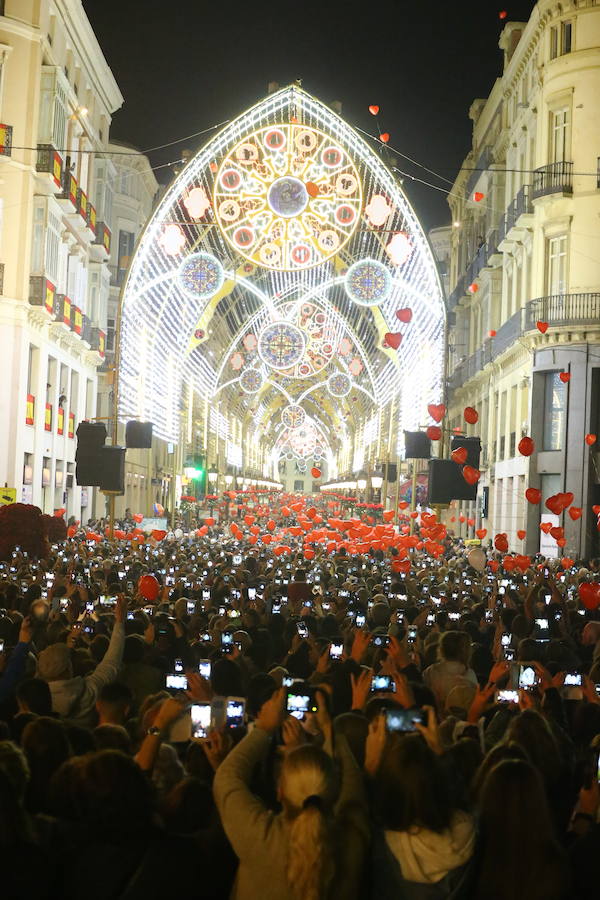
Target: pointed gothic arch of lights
x=279, y=258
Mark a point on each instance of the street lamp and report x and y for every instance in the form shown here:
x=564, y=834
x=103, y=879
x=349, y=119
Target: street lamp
x=228, y=480
x=361, y=482
x=212, y=476
x=376, y=481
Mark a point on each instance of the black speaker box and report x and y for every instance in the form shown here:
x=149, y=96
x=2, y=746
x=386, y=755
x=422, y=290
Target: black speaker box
x=446, y=482
x=473, y=446
x=90, y=437
x=416, y=445
x=138, y=435
x=392, y=473
x=111, y=463
x=87, y=469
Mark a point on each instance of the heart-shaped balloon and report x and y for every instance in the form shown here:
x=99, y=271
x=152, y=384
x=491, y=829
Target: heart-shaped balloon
x=546, y=527
x=589, y=592
x=533, y=495
x=494, y=565
x=374, y=110
x=596, y=509
x=501, y=542
x=462, y=519
x=384, y=138
x=405, y=314
x=521, y=534
x=526, y=446
x=590, y=439
x=562, y=542
x=564, y=377
x=557, y=533
x=554, y=504
x=522, y=562
x=481, y=533
x=434, y=432
x=316, y=473
x=470, y=522
x=436, y=411
x=492, y=333
x=403, y=504
x=542, y=327
x=471, y=474
x=575, y=512
x=459, y=455
x=566, y=562
x=471, y=415
x=393, y=339
x=478, y=196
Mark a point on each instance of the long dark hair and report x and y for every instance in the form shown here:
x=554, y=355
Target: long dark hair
x=411, y=790
x=520, y=857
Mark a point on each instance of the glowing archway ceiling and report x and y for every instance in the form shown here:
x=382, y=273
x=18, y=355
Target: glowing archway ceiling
x=276, y=260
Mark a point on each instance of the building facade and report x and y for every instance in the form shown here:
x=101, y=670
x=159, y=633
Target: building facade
x=524, y=301
x=134, y=193
x=57, y=97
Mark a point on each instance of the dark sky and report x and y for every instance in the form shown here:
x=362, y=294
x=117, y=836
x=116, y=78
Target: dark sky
x=188, y=64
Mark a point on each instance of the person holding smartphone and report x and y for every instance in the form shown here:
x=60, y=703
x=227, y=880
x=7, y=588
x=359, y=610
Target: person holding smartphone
x=298, y=852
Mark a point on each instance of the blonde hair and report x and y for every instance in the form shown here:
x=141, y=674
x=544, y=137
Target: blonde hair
x=309, y=774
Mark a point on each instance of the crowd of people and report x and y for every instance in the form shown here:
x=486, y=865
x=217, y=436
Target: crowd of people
x=208, y=716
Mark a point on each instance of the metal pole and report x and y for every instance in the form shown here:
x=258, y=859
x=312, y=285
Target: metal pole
x=413, y=498
x=173, y=469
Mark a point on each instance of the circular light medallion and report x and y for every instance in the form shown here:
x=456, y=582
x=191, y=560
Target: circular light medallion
x=339, y=385
x=251, y=381
x=293, y=416
x=281, y=345
x=287, y=197
x=201, y=275
x=368, y=282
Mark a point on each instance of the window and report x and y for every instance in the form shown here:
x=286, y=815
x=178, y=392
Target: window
x=559, y=124
x=555, y=394
x=566, y=37
x=126, y=242
x=298, y=485
x=553, y=42
x=556, y=277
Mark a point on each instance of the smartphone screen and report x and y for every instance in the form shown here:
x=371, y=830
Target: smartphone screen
x=236, y=708
x=336, y=650
x=201, y=718
x=204, y=668
x=507, y=696
x=383, y=683
x=302, y=629
x=177, y=682
x=404, y=719
x=527, y=678
x=299, y=703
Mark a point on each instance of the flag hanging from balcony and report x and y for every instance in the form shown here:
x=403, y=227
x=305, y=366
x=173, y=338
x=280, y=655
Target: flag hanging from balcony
x=92, y=218
x=5, y=140
x=106, y=238
x=76, y=319
x=48, y=417
x=57, y=168
x=71, y=189
x=60, y=421
x=49, y=296
x=30, y=410
x=101, y=343
x=71, y=431
x=67, y=311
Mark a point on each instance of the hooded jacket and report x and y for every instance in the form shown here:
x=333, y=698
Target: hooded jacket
x=427, y=856
x=75, y=698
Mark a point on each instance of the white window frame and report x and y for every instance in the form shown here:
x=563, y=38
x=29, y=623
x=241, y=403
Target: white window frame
x=557, y=264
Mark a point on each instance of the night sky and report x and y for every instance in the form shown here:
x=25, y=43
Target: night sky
x=187, y=65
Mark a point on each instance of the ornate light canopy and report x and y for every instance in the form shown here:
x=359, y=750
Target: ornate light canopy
x=271, y=272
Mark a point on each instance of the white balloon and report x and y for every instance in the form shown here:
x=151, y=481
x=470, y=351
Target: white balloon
x=178, y=533
x=477, y=559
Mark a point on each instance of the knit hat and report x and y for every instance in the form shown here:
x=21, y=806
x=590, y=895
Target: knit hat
x=54, y=662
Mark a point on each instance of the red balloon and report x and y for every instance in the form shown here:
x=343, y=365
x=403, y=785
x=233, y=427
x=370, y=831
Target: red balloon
x=158, y=534
x=589, y=592
x=471, y=474
x=149, y=587
x=271, y=525
x=521, y=534
x=501, y=542
x=434, y=432
x=526, y=446
x=210, y=521
x=542, y=327
x=249, y=520
x=437, y=411
x=373, y=110
x=471, y=415
x=309, y=554
x=405, y=314
x=388, y=515
x=533, y=495
x=316, y=473
x=590, y=439
x=384, y=138
x=575, y=512
x=481, y=533
x=565, y=377
x=459, y=455
x=492, y=333
x=285, y=510
x=71, y=531
x=393, y=339
x=137, y=517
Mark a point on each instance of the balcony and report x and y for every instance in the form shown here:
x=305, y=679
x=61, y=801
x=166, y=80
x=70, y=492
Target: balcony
x=86, y=329
x=98, y=341
x=68, y=196
x=103, y=236
x=62, y=310
x=555, y=178
x=512, y=220
x=559, y=310
x=41, y=293
x=50, y=163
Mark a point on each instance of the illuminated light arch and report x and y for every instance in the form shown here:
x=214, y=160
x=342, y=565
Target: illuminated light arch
x=159, y=319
